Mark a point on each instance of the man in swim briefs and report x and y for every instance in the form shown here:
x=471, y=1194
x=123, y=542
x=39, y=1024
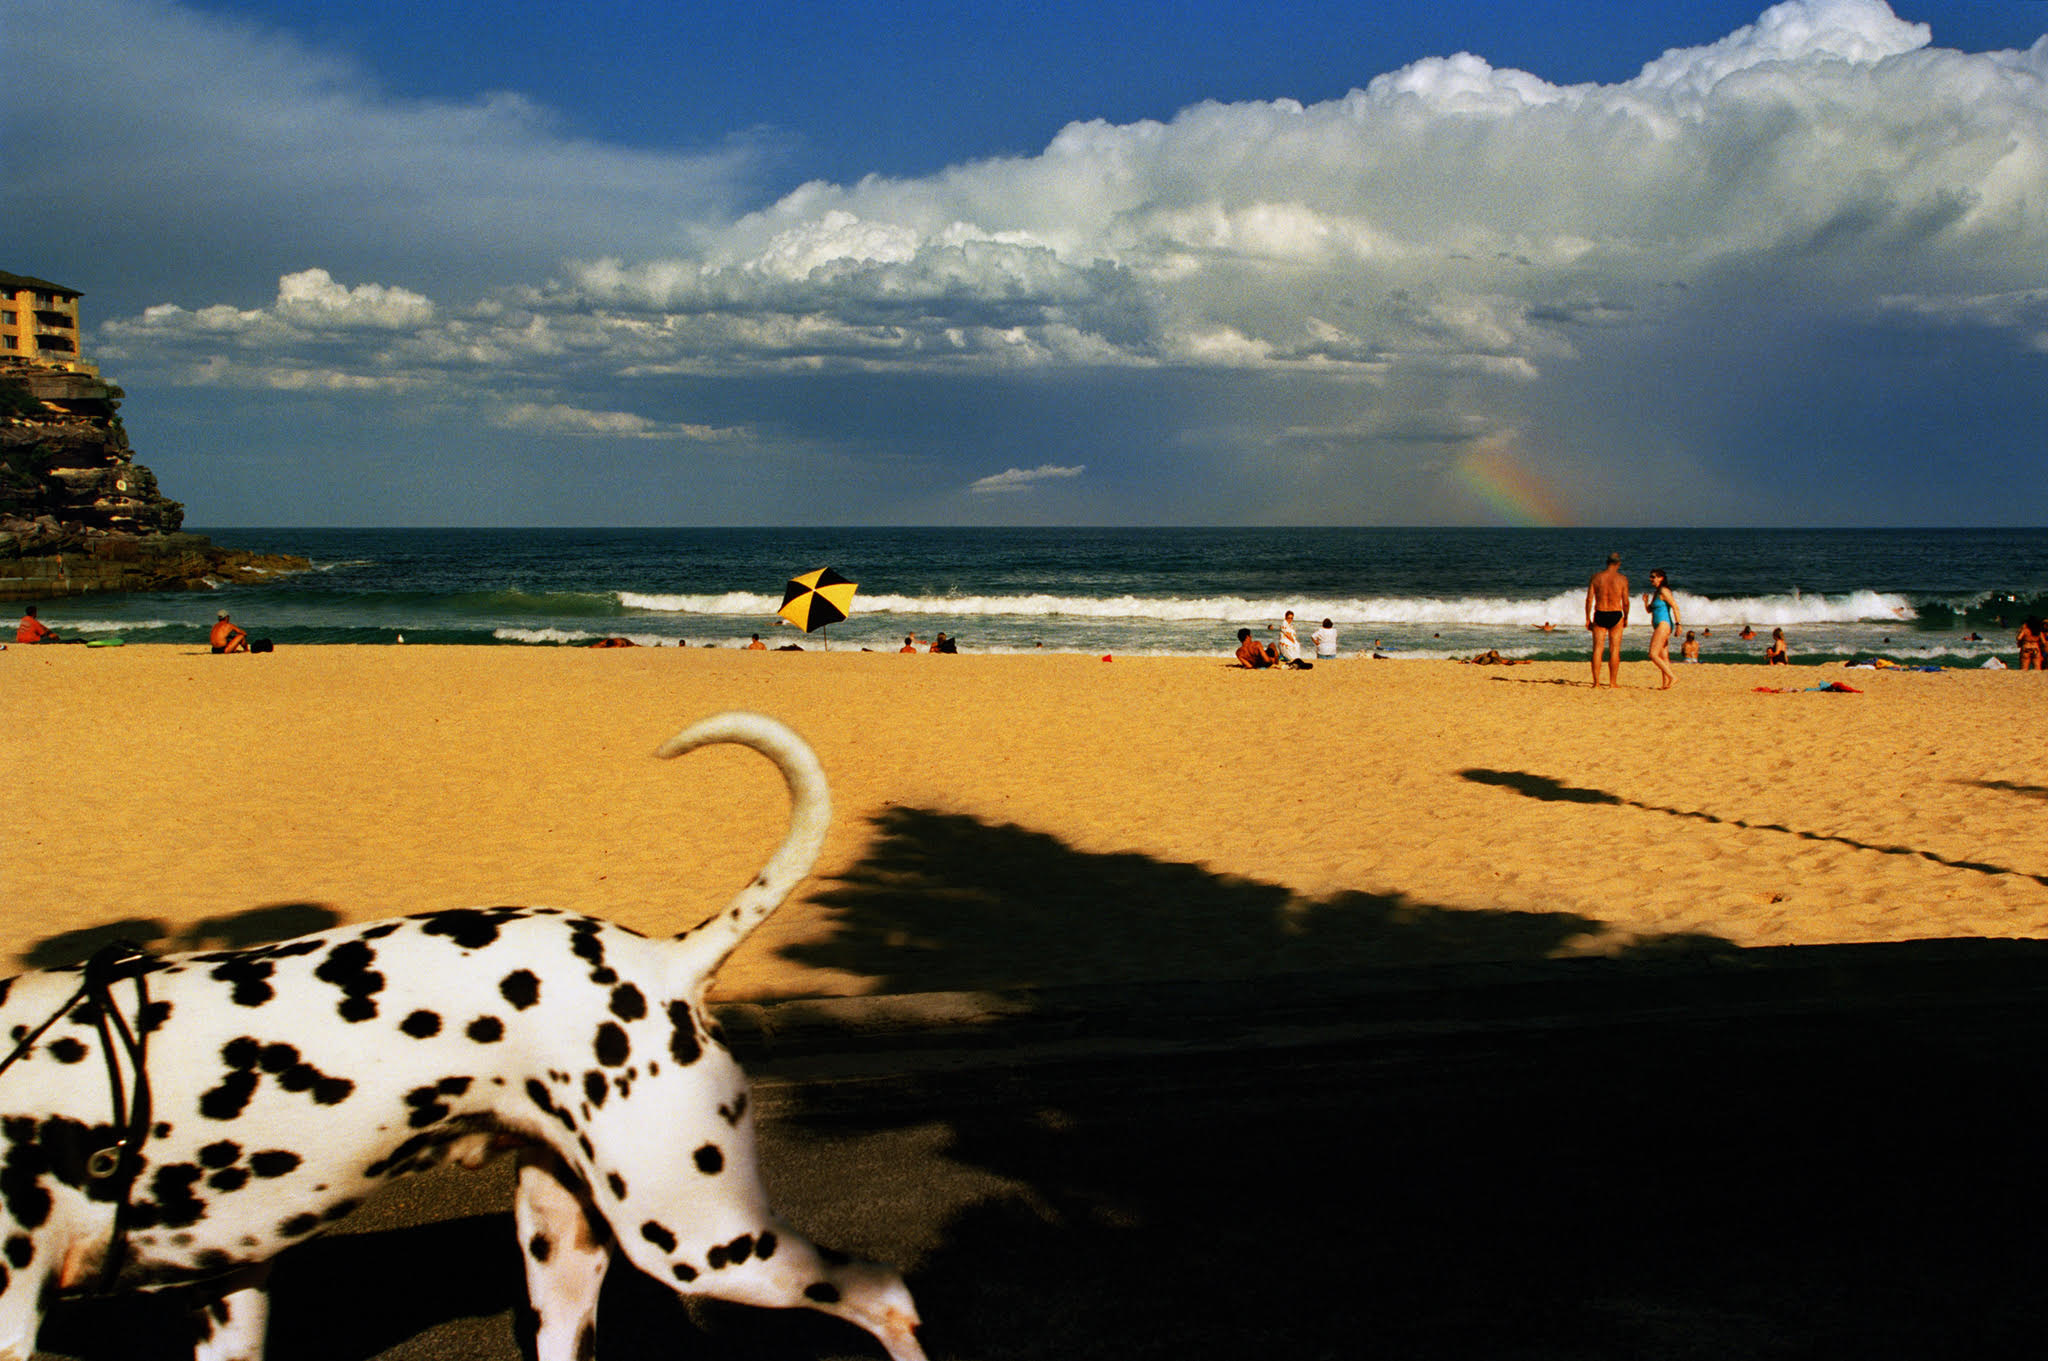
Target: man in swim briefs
x=1606, y=617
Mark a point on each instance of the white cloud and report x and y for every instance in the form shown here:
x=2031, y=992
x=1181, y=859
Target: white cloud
x=1450, y=236
x=559, y=418
x=1023, y=479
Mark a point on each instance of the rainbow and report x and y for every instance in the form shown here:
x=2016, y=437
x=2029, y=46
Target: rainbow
x=1509, y=489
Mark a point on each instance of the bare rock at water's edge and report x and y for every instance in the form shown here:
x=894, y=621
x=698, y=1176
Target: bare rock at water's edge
x=78, y=514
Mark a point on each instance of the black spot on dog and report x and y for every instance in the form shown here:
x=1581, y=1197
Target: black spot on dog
x=21, y=1249
x=612, y=1046
x=250, y=977
x=340, y=1209
x=152, y=1017
x=470, y=928
x=229, y=1179
x=347, y=967
x=486, y=1030
x=730, y=1254
x=709, y=1160
x=683, y=1272
x=273, y=1162
x=658, y=1235
x=617, y=1183
x=765, y=1245
x=171, y=1204
x=595, y=1089
x=427, y=1107
x=683, y=1042
x=226, y=1101
x=628, y=1002
x=586, y=1342
x=380, y=930
x=520, y=988
x=68, y=1050
x=162, y=1129
x=298, y=1226
x=538, y=1095
x=824, y=1292
x=539, y=1248
x=421, y=1025
x=225, y=1153
x=731, y=1114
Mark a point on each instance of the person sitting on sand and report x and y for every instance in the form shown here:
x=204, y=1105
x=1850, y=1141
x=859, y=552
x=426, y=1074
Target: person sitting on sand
x=756, y=645
x=1690, y=652
x=615, y=642
x=1253, y=654
x=34, y=630
x=226, y=637
x=1776, y=654
x=939, y=644
x=1325, y=639
x=909, y=643
x=1606, y=616
x=949, y=646
x=1290, y=643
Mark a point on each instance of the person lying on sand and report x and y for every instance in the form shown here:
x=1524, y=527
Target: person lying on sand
x=1492, y=657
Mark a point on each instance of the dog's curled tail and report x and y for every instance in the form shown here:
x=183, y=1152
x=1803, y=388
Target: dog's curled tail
x=810, y=813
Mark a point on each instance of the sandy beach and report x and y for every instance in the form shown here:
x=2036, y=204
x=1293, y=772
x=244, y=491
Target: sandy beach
x=1020, y=820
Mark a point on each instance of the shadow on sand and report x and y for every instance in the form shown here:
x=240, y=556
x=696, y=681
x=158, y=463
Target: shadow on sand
x=1694, y=1153
x=1547, y=790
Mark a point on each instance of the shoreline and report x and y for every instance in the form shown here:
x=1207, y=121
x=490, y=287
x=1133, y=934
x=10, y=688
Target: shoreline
x=1024, y=819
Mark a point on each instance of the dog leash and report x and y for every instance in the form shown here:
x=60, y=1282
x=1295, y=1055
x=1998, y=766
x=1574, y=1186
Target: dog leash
x=112, y=1167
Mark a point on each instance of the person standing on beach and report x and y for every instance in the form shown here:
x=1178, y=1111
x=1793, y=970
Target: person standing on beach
x=1663, y=607
x=1606, y=617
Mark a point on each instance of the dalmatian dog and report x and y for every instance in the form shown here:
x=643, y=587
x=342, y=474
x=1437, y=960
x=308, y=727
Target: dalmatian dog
x=184, y=1118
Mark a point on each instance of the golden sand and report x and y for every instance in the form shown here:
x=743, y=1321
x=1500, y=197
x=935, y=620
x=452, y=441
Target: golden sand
x=1018, y=820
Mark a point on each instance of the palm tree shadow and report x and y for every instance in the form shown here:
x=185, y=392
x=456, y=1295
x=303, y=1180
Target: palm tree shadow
x=945, y=902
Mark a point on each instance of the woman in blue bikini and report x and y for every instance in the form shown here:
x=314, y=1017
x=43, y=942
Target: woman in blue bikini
x=1664, y=619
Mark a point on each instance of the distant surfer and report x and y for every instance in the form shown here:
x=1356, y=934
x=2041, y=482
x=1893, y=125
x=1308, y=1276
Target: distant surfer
x=1606, y=616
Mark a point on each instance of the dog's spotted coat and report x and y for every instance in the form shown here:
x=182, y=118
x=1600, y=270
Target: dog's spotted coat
x=292, y=1080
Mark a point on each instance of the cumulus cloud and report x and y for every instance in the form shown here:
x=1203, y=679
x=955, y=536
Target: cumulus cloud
x=1447, y=237
x=1023, y=479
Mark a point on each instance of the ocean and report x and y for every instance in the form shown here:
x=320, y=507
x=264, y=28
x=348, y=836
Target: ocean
x=1913, y=596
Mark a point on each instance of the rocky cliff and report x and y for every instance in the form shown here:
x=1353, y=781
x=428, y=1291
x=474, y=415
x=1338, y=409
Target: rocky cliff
x=78, y=513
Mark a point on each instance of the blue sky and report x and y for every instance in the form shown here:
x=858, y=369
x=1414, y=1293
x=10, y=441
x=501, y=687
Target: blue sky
x=1407, y=263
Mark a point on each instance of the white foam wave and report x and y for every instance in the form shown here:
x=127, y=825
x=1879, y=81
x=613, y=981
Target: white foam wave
x=113, y=625
x=574, y=636
x=1564, y=608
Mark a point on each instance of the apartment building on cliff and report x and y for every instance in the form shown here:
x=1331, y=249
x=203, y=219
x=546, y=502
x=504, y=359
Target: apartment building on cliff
x=39, y=323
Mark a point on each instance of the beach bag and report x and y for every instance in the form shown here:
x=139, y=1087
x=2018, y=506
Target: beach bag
x=261, y=645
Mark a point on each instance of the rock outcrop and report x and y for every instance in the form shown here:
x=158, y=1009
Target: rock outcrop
x=78, y=514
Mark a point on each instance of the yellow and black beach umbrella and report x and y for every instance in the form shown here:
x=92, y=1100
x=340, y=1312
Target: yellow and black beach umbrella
x=817, y=598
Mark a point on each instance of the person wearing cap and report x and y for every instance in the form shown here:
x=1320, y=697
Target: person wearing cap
x=226, y=637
